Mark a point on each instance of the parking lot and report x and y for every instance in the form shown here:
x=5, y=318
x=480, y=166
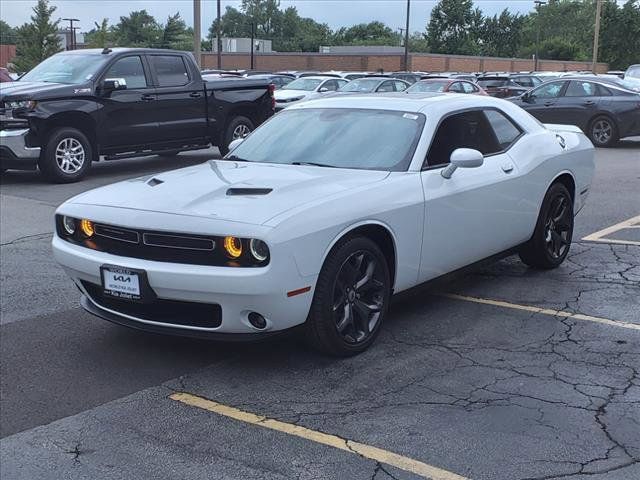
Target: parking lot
x=500, y=373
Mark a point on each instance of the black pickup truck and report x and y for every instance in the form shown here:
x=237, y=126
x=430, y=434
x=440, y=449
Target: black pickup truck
x=80, y=106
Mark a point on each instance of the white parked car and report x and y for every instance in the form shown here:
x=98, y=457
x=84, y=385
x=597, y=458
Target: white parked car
x=324, y=212
x=306, y=88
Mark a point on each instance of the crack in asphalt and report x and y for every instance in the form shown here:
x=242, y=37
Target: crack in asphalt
x=35, y=236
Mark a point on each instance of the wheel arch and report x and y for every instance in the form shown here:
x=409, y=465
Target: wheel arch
x=79, y=120
x=378, y=232
x=567, y=179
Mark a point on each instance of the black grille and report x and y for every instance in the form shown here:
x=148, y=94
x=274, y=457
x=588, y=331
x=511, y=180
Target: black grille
x=174, y=312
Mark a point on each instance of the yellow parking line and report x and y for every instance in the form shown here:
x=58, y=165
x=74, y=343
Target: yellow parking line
x=545, y=311
x=599, y=236
x=366, y=451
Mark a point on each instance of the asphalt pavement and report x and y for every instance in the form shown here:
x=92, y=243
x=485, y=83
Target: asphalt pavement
x=501, y=373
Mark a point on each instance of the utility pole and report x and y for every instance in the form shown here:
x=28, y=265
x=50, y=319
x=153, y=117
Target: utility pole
x=197, y=35
x=218, y=39
x=536, y=62
x=406, y=38
x=401, y=36
x=71, y=45
x=253, y=34
x=73, y=37
x=596, y=36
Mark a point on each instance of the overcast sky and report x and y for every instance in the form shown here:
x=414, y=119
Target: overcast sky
x=336, y=13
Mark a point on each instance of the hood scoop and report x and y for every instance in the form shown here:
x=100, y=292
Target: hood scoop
x=154, y=181
x=236, y=191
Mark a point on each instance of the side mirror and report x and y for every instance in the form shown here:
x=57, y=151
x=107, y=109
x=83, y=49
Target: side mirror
x=463, y=158
x=234, y=144
x=113, y=84
x=323, y=90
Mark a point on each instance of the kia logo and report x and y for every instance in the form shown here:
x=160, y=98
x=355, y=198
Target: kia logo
x=122, y=278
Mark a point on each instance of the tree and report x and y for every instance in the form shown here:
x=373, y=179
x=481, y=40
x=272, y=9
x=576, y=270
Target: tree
x=265, y=14
x=8, y=35
x=501, y=36
x=99, y=36
x=620, y=34
x=139, y=29
x=37, y=40
x=373, y=33
x=176, y=35
x=451, y=27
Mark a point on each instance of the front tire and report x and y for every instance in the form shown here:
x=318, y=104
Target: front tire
x=603, y=132
x=351, y=298
x=66, y=157
x=239, y=127
x=551, y=239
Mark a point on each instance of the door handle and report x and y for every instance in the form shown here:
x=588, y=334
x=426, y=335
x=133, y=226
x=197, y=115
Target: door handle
x=589, y=102
x=548, y=104
x=195, y=94
x=147, y=98
x=507, y=167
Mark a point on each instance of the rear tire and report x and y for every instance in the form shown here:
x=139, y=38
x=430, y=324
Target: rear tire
x=603, y=132
x=551, y=240
x=239, y=127
x=351, y=298
x=66, y=157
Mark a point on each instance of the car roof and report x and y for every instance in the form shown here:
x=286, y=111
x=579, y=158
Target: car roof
x=319, y=77
x=112, y=50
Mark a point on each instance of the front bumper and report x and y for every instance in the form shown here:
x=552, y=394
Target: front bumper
x=238, y=291
x=14, y=152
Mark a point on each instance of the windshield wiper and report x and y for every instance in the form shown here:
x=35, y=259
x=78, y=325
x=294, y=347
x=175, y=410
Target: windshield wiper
x=236, y=158
x=314, y=164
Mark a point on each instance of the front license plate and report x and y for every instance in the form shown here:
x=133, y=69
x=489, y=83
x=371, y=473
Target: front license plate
x=122, y=283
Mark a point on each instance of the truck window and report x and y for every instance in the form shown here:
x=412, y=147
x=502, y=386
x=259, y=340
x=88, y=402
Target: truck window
x=170, y=69
x=129, y=68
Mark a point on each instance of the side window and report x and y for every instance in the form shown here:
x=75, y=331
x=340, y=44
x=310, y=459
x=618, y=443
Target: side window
x=580, y=89
x=330, y=85
x=467, y=87
x=129, y=68
x=170, y=69
x=386, y=87
x=505, y=130
x=456, y=87
x=342, y=82
x=536, y=81
x=603, y=91
x=461, y=130
x=523, y=81
x=400, y=87
x=550, y=90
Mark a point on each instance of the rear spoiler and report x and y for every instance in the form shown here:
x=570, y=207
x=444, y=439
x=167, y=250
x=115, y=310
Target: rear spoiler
x=554, y=127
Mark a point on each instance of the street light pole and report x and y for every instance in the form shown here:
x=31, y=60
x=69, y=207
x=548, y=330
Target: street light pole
x=252, y=40
x=72, y=33
x=218, y=39
x=536, y=63
x=596, y=36
x=197, y=35
x=406, y=38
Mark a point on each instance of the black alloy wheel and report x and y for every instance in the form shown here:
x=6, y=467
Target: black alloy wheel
x=351, y=298
x=551, y=240
x=358, y=297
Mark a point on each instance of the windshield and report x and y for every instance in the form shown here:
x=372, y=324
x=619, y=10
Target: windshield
x=336, y=137
x=630, y=83
x=306, y=84
x=71, y=69
x=363, y=85
x=428, y=87
x=493, y=82
x=633, y=71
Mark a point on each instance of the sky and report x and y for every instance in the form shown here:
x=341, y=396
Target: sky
x=336, y=13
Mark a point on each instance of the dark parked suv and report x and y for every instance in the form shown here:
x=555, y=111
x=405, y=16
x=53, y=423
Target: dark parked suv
x=603, y=110
x=508, y=85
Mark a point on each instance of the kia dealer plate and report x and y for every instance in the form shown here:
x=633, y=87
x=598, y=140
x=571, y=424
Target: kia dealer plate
x=123, y=283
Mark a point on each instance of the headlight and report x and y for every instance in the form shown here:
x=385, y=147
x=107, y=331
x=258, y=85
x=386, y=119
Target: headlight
x=29, y=104
x=259, y=249
x=86, y=226
x=69, y=225
x=233, y=247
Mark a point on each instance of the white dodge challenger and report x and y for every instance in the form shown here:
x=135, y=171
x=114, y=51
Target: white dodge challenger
x=324, y=212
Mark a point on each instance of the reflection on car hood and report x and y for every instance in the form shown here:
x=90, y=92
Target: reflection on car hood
x=287, y=94
x=203, y=190
x=35, y=90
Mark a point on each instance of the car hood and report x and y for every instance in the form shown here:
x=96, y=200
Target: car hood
x=287, y=94
x=226, y=190
x=35, y=90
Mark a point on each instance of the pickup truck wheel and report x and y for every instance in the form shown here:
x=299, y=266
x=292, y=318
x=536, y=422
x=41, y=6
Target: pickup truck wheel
x=66, y=157
x=239, y=127
x=551, y=239
x=351, y=298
